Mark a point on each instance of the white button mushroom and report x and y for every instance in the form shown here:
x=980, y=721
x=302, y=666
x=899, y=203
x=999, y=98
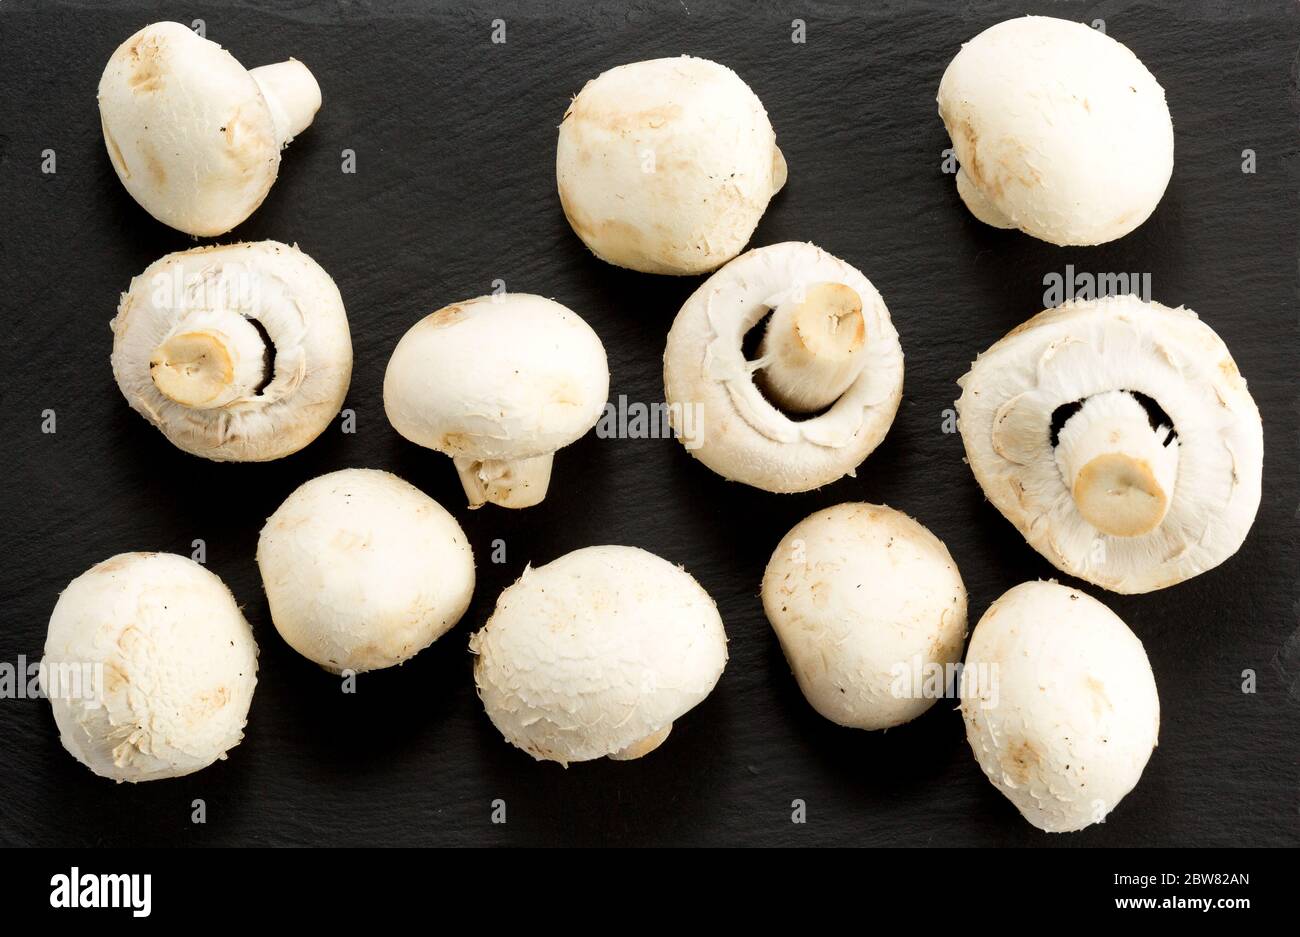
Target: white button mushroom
x=499, y=383
x=363, y=570
x=829, y=342
x=1119, y=438
x=237, y=353
x=149, y=666
x=194, y=137
x=667, y=166
x=596, y=654
x=870, y=611
x=1060, y=131
x=1060, y=705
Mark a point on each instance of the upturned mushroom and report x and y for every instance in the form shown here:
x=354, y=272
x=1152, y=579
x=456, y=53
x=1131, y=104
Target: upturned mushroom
x=828, y=345
x=499, y=383
x=1059, y=129
x=236, y=353
x=666, y=166
x=363, y=570
x=194, y=137
x=1120, y=439
x=870, y=611
x=149, y=667
x=596, y=654
x=1060, y=705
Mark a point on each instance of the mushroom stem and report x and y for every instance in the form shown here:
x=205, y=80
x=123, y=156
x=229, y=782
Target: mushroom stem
x=643, y=747
x=813, y=349
x=1120, y=471
x=978, y=205
x=209, y=360
x=517, y=483
x=292, y=95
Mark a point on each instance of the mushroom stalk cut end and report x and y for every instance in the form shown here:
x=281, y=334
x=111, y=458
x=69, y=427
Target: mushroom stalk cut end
x=814, y=347
x=291, y=93
x=516, y=483
x=1119, y=470
x=643, y=747
x=209, y=361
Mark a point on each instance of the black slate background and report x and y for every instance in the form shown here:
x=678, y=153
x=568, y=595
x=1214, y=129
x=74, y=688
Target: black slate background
x=454, y=187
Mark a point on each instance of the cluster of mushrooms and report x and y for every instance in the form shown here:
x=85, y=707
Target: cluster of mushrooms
x=1117, y=435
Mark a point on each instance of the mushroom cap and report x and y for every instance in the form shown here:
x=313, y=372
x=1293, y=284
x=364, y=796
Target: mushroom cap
x=596, y=651
x=363, y=570
x=1080, y=349
x=275, y=286
x=174, y=660
x=187, y=130
x=862, y=597
x=1062, y=712
x=505, y=377
x=1059, y=129
x=667, y=166
x=740, y=434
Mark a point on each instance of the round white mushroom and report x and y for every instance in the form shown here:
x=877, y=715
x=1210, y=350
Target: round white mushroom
x=1060, y=131
x=237, y=353
x=829, y=344
x=149, y=667
x=194, y=137
x=870, y=611
x=667, y=166
x=499, y=383
x=1060, y=705
x=596, y=654
x=363, y=570
x=1119, y=438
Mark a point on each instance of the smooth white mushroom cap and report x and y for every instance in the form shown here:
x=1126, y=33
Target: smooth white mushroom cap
x=175, y=661
x=188, y=327
x=1059, y=129
x=1062, y=712
x=865, y=601
x=597, y=652
x=193, y=136
x=666, y=166
x=497, y=380
x=1085, y=350
x=720, y=414
x=363, y=570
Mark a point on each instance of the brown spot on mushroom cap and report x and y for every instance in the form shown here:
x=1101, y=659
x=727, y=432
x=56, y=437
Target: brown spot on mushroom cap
x=447, y=315
x=157, y=170
x=1021, y=762
x=1097, y=692
x=620, y=122
x=146, y=66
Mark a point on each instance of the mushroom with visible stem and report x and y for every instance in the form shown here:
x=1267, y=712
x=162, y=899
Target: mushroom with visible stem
x=498, y=383
x=194, y=137
x=866, y=603
x=1059, y=129
x=829, y=343
x=1120, y=439
x=596, y=654
x=1060, y=705
x=149, y=667
x=666, y=166
x=236, y=353
x=363, y=571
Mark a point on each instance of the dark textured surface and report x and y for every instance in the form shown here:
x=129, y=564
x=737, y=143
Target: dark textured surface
x=455, y=146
